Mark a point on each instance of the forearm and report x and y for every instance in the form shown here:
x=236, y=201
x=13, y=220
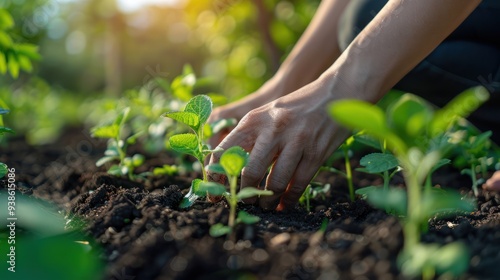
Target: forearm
x=316, y=49
x=397, y=39
x=314, y=52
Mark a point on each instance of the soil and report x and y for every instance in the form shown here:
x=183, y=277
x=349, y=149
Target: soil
x=144, y=235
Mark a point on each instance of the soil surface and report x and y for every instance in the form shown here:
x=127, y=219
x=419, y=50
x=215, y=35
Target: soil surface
x=144, y=235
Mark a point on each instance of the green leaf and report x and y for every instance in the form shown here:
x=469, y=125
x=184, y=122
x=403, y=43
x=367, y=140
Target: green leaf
x=6, y=20
x=116, y=170
x=191, y=196
x=216, y=168
x=201, y=105
x=166, y=169
x=133, y=138
x=233, y=160
x=188, y=118
x=185, y=143
x=3, y=169
x=137, y=160
x=409, y=116
x=28, y=50
x=244, y=217
x=122, y=117
x=393, y=199
x=5, y=130
x=13, y=65
x=5, y=40
x=446, y=203
x=460, y=106
x=107, y=131
x=3, y=63
x=219, y=230
x=451, y=258
x=106, y=159
x=24, y=63
x=378, y=162
x=211, y=188
x=360, y=115
x=251, y=192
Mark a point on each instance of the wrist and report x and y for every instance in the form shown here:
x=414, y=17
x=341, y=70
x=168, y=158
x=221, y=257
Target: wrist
x=350, y=78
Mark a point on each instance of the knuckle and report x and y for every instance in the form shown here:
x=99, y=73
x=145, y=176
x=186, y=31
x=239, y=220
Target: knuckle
x=250, y=174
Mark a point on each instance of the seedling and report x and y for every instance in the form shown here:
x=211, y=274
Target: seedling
x=3, y=130
x=117, y=148
x=312, y=191
x=417, y=137
x=231, y=164
x=475, y=152
x=195, y=115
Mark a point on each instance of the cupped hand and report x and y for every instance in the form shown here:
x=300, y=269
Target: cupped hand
x=294, y=135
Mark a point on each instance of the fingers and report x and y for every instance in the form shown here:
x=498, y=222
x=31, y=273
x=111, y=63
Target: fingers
x=280, y=175
x=261, y=157
x=493, y=184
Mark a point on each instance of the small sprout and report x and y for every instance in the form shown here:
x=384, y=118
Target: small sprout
x=231, y=164
x=117, y=148
x=312, y=191
x=166, y=169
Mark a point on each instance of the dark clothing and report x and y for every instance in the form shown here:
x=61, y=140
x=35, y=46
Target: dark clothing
x=469, y=57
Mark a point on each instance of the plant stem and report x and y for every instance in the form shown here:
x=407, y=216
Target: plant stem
x=411, y=228
x=474, y=179
x=233, y=200
x=348, y=175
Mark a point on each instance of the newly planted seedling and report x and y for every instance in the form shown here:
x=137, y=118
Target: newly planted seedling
x=313, y=191
x=195, y=115
x=474, y=150
x=231, y=164
x=117, y=148
x=417, y=137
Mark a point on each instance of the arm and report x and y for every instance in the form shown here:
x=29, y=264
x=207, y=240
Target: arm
x=301, y=66
x=294, y=133
x=397, y=39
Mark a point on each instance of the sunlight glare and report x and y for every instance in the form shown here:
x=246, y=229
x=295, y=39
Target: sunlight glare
x=132, y=5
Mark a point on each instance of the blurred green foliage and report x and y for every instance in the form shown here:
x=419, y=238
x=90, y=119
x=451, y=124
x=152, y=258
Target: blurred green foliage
x=93, y=53
x=14, y=56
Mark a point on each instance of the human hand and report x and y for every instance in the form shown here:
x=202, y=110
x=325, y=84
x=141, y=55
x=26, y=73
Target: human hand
x=293, y=134
x=493, y=184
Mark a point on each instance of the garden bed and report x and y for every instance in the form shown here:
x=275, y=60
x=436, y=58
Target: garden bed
x=143, y=234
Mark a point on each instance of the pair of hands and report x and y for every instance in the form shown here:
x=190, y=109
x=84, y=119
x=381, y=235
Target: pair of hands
x=293, y=135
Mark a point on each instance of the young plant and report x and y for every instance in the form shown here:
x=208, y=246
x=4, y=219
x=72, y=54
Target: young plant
x=195, y=115
x=117, y=148
x=410, y=128
x=475, y=152
x=312, y=191
x=3, y=130
x=231, y=163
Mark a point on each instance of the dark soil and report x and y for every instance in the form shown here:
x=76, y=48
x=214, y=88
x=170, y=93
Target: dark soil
x=144, y=235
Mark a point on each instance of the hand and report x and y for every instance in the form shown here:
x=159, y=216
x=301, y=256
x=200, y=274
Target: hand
x=493, y=184
x=293, y=134
x=271, y=90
